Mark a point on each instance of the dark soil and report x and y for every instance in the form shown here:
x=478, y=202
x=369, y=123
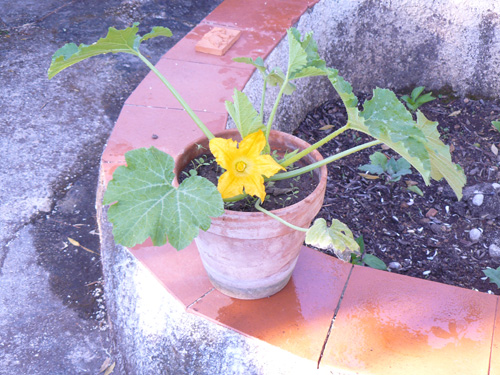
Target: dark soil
x=421, y=236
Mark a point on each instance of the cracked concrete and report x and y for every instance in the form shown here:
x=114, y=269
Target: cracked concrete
x=52, y=311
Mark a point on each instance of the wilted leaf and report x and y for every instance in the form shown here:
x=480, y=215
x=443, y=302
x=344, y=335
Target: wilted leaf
x=149, y=206
x=369, y=176
x=105, y=364
x=454, y=114
x=110, y=369
x=326, y=127
x=494, y=149
x=338, y=237
x=77, y=244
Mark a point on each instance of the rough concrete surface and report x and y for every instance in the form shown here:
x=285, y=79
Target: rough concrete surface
x=52, y=133
x=155, y=334
x=446, y=45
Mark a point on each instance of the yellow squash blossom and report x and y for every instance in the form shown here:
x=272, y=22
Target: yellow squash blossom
x=244, y=165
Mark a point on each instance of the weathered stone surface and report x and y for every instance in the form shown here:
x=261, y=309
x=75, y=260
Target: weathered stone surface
x=397, y=44
x=154, y=334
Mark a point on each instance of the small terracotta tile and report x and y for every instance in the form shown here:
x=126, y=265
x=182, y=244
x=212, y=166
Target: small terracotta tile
x=204, y=87
x=217, y=41
x=495, y=348
x=392, y=324
x=258, y=15
x=169, y=130
x=297, y=318
x=250, y=44
x=181, y=272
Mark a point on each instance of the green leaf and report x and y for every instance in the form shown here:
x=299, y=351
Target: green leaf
x=416, y=189
x=496, y=125
x=416, y=92
x=385, y=118
x=157, y=31
x=148, y=205
x=440, y=157
x=493, y=275
x=275, y=77
x=374, y=262
x=377, y=164
x=126, y=41
x=344, y=89
x=338, y=237
x=303, y=58
x=243, y=113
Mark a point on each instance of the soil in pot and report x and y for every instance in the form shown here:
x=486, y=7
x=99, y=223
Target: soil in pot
x=425, y=236
x=280, y=194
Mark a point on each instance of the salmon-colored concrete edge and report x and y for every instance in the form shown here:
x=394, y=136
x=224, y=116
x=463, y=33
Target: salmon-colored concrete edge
x=108, y=166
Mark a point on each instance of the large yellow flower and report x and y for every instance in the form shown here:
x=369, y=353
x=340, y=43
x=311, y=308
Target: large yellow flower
x=244, y=165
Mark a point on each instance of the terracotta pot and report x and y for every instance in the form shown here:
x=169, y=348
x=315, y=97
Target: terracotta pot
x=249, y=255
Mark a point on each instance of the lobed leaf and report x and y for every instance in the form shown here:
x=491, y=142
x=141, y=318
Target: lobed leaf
x=115, y=41
x=243, y=113
x=148, y=205
x=440, y=157
x=385, y=118
x=303, y=57
x=493, y=275
x=338, y=238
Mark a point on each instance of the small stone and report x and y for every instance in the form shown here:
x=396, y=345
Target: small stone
x=495, y=186
x=475, y=234
x=431, y=213
x=396, y=266
x=494, y=251
x=154, y=136
x=477, y=200
x=466, y=100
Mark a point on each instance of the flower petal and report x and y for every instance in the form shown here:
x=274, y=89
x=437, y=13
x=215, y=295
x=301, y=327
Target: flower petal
x=224, y=151
x=229, y=186
x=253, y=144
x=254, y=185
x=267, y=166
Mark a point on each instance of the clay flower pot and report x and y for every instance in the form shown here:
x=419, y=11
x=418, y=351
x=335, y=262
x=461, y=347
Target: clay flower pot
x=249, y=255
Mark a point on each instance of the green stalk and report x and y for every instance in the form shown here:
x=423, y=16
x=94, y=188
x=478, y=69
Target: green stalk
x=310, y=167
x=318, y=144
x=263, y=100
x=275, y=107
x=263, y=210
x=179, y=98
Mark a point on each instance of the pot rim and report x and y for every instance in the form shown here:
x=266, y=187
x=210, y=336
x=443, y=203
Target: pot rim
x=321, y=185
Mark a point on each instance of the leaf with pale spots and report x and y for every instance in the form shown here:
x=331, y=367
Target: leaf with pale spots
x=338, y=238
x=148, y=205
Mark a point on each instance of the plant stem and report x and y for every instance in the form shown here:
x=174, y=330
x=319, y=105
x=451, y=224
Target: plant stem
x=179, y=98
x=310, y=167
x=259, y=207
x=275, y=107
x=263, y=100
x=318, y=144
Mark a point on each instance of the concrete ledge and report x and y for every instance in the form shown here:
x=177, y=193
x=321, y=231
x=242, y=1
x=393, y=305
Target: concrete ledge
x=165, y=315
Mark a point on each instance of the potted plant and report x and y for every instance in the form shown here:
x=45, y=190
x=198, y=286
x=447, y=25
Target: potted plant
x=251, y=255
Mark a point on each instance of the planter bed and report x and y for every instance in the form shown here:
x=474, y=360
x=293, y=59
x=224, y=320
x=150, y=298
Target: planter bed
x=167, y=318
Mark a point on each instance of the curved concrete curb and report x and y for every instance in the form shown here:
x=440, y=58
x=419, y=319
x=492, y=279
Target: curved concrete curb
x=165, y=315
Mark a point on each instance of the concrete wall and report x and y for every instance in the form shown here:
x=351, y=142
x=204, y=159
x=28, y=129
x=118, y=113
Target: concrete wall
x=396, y=44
